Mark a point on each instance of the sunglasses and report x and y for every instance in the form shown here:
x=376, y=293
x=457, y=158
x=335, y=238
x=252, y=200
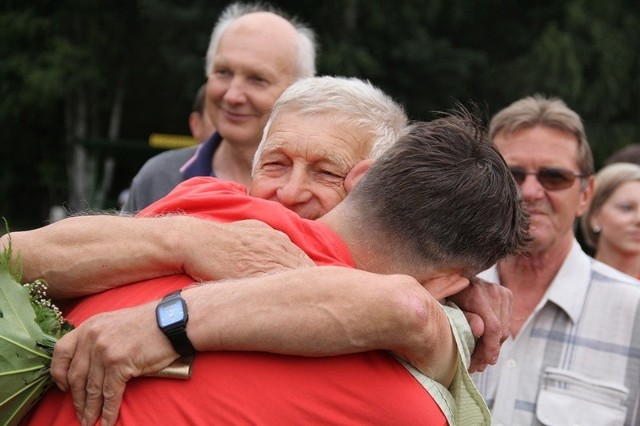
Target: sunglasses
x=551, y=179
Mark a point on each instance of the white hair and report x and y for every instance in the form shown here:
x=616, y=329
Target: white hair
x=353, y=101
x=306, y=63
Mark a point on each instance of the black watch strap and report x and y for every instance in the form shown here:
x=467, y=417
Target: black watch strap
x=177, y=333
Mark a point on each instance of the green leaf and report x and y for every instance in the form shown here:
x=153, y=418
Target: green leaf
x=24, y=363
x=13, y=410
x=17, y=317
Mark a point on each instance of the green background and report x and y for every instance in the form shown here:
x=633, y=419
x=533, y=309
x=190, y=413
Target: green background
x=91, y=80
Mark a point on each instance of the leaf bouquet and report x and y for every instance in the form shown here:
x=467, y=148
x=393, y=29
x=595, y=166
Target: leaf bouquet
x=30, y=325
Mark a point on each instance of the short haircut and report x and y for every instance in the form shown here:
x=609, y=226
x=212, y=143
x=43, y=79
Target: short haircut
x=538, y=110
x=608, y=180
x=306, y=64
x=443, y=196
x=198, y=101
x=354, y=102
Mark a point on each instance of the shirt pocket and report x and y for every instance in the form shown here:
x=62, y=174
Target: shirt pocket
x=570, y=398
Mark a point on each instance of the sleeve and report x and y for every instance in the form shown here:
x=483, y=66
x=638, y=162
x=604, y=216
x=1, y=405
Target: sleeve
x=461, y=403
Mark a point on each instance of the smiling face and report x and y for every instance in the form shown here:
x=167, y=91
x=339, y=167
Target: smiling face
x=619, y=221
x=254, y=63
x=305, y=161
x=552, y=212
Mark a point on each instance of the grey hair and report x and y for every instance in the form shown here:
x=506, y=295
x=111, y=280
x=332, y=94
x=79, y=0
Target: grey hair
x=538, y=110
x=353, y=101
x=608, y=180
x=306, y=64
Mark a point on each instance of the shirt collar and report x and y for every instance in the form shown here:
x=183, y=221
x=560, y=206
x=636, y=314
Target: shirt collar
x=200, y=163
x=568, y=290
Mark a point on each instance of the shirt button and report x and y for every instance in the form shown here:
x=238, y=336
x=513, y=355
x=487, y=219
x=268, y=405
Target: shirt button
x=511, y=363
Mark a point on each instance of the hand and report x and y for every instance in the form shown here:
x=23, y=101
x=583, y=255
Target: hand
x=487, y=307
x=240, y=249
x=96, y=359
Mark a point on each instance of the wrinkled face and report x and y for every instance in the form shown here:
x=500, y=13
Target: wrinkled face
x=619, y=220
x=305, y=161
x=552, y=212
x=254, y=63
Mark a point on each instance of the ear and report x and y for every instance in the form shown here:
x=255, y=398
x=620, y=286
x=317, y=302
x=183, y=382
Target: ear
x=356, y=173
x=445, y=284
x=594, y=219
x=194, y=123
x=585, y=196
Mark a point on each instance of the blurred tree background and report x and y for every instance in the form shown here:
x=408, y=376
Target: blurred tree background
x=84, y=84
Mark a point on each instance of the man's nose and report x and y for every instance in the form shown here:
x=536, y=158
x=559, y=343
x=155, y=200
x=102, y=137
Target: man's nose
x=236, y=91
x=531, y=188
x=295, y=189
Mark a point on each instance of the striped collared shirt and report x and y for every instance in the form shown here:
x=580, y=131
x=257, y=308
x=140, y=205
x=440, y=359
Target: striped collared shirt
x=576, y=361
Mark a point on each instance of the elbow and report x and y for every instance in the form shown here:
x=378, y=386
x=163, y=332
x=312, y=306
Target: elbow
x=425, y=339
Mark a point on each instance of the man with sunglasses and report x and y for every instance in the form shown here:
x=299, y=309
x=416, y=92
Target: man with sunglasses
x=573, y=356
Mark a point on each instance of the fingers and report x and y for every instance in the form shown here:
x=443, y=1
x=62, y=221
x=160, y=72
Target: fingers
x=492, y=303
x=476, y=324
x=93, y=393
x=62, y=355
x=113, y=392
x=77, y=379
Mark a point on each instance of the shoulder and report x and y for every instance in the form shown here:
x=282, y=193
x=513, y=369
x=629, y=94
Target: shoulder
x=612, y=298
x=604, y=274
x=172, y=158
x=156, y=178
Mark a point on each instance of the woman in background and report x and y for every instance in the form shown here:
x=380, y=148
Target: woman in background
x=611, y=224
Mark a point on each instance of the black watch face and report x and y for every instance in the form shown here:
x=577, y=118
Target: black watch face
x=170, y=313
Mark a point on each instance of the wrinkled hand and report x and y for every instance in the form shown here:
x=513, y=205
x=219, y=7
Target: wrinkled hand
x=95, y=360
x=487, y=307
x=241, y=249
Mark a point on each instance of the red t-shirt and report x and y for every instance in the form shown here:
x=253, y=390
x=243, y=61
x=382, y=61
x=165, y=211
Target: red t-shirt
x=253, y=387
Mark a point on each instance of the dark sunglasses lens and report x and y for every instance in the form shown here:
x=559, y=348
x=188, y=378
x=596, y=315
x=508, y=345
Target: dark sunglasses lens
x=519, y=174
x=555, y=179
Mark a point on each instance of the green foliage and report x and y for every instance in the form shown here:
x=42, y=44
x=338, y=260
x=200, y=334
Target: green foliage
x=426, y=53
x=29, y=328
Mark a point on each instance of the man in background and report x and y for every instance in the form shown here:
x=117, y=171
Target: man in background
x=254, y=54
x=199, y=121
x=201, y=130
x=573, y=354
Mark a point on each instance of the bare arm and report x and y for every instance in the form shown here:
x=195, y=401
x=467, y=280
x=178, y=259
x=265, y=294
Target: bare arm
x=324, y=316
x=86, y=254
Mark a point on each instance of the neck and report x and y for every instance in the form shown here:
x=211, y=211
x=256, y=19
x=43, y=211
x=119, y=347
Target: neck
x=341, y=221
x=234, y=163
x=528, y=277
x=627, y=263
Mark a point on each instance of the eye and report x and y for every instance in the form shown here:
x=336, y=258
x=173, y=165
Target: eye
x=272, y=165
x=626, y=207
x=519, y=174
x=331, y=174
x=259, y=80
x=221, y=72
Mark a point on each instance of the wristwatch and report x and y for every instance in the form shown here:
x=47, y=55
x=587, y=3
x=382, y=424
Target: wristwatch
x=172, y=317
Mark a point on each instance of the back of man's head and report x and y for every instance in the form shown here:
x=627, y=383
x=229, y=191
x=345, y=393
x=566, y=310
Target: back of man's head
x=351, y=101
x=443, y=195
x=306, y=42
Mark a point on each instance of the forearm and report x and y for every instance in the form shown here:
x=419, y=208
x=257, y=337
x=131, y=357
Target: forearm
x=86, y=254
x=324, y=311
